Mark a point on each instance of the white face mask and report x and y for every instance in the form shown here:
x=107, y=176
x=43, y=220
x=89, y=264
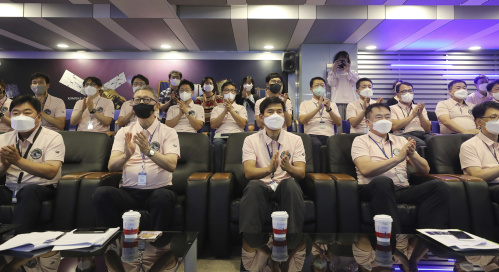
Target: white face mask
x=38, y=89
x=461, y=94
x=367, y=93
x=208, y=87
x=136, y=88
x=319, y=91
x=274, y=122
x=90, y=90
x=248, y=87
x=496, y=96
x=229, y=96
x=407, y=97
x=492, y=127
x=483, y=87
x=22, y=123
x=174, y=82
x=185, y=96
x=382, y=126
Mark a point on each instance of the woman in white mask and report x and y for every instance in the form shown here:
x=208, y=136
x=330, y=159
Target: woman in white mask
x=493, y=90
x=209, y=98
x=95, y=112
x=4, y=108
x=481, y=94
x=247, y=98
x=394, y=100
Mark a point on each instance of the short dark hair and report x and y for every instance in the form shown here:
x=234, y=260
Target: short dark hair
x=94, y=80
x=271, y=100
x=451, y=84
x=491, y=85
x=370, y=108
x=479, y=110
x=33, y=101
x=342, y=54
x=42, y=75
x=271, y=76
x=357, y=84
x=395, y=83
x=228, y=83
x=250, y=78
x=215, y=85
x=186, y=82
x=479, y=77
x=316, y=78
x=403, y=83
x=139, y=76
x=174, y=72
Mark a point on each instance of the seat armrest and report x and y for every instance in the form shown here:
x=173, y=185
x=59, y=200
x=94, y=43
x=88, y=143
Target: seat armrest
x=348, y=205
x=341, y=177
x=105, y=178
x=200, y=176
x=466, y=177
x=322, y=189
x=73, y=176
x=416, y=179
x=64, y=212
x=196, y=205
x=221, y=195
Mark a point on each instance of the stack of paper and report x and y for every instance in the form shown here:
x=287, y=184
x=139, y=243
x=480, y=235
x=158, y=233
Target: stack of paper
x=444, y=237
x=31, y=241
x=81, y=240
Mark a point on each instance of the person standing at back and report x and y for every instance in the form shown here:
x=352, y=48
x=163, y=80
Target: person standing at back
x=53, y=108
x=342, y=81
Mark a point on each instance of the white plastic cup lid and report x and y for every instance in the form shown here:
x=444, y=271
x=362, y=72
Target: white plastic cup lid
x=280, y=214
x=383, y=217
x=131, y=214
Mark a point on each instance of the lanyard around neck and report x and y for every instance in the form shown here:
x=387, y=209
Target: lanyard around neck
x=271, y=154
x=382, y=150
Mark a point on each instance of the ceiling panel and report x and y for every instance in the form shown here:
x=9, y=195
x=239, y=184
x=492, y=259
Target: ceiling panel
x=276, y=2
x=100, y=1
x=93, y=32
x=36, y=33
x=142, y=29
x=390, y=32
x=355, y=2
x=41, y=1
x=452, y=32
x=199, y=2
x=489, y=42
x=211, y=34
x=491, y=3
x=434, y=2
x=274, y=32
x=332, y=30
x=7, y=44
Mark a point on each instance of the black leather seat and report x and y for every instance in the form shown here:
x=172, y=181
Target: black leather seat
x=226, y=190
x=442, y=153
x=357, y=216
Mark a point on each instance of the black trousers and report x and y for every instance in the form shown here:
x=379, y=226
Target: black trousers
x=317, y=142
x=256, y=197
x=431, y=198
x=419, y=136
x=218, y=146
x=29, y=204
x=110, y=203
x=494, y=192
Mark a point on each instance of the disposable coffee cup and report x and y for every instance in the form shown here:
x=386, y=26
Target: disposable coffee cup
x=383, y=254
x=383, y=227
x=130, y=251
x=280, y=224
x=131, y=221
x=279, y=250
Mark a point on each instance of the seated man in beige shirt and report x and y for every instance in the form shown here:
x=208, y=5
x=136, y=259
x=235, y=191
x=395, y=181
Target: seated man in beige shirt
x=356, y=110
x=185, y=116
x=454, y=114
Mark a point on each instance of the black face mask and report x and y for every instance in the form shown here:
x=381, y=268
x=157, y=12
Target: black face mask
x=275, y=88
x=143, y=111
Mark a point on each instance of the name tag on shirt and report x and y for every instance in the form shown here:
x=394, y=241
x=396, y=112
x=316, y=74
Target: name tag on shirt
x=91, y=124
x=142, y=181
x=400, y=176
x=323, y=124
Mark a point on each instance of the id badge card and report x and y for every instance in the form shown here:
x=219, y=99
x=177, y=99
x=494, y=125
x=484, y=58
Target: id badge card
x=142, y=179
x=91, y=124
x=14, y=197
x=273, y=185
x=323, y=125
x=400, y=176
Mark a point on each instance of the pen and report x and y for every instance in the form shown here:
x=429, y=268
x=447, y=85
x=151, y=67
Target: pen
x=54, y=239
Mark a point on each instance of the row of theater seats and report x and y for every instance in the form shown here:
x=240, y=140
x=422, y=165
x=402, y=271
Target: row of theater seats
x=209, y=203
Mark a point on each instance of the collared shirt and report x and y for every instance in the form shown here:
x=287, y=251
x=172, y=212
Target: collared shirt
x=164, y=97
x=183, y=124
x=401, y=111
x=365, y=146
x=354, y=109
x=4, y=107
x=460, y=114
x=479, y=151
x=209, y=105
x=255, y=149
x=289, y=108
x=55, y=107
x=314, y=125
x=127, y=107
x=477, y=98
x=164, y=141
x=49, y=146
x=342, y=86
x=102, y=105
x=229, y=125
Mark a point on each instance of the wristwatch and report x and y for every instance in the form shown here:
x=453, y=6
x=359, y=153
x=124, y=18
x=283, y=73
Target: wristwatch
x=1, y=114
x=189, y=113
x=93, y=111
x=150, y=153
x=330, y=109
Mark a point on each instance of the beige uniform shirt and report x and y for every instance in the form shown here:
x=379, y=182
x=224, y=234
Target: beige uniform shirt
x=314, y=126
x=54, y=107
x=229, y=125
x=354, y=109
x=460, y=114
x=183, y=124
x=401, y=111
x=102, y=105
x=479, y=151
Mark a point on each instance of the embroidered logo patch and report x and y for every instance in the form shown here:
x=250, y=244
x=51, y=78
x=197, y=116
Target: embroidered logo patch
x=155, y=146
x=396, y=152
x=284, y=152
x=36, y=154
x=4, y=109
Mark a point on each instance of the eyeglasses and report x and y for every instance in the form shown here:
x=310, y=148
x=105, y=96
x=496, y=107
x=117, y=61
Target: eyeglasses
x=493, y=117
x=275, y=82
x=317, y=85
x=90, y=84
x=135, y=84
x=406, y=91
x=146, y=100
